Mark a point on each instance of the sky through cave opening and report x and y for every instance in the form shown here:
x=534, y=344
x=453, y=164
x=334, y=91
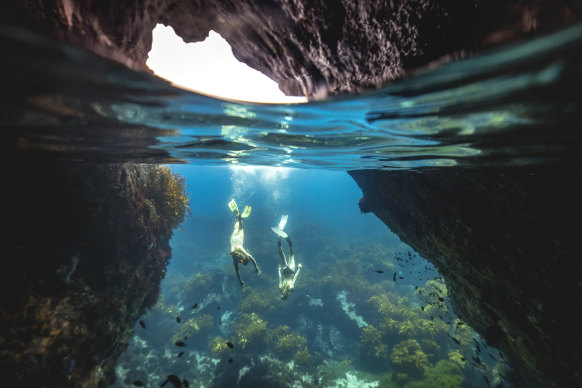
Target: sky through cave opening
x=210, y=68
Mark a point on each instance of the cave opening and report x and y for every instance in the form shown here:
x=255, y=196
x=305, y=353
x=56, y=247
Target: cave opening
x=209, y=67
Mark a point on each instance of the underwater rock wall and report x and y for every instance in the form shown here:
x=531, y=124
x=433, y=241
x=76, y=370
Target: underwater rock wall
x=84, y=251
x=507, y=243
x=310, y=47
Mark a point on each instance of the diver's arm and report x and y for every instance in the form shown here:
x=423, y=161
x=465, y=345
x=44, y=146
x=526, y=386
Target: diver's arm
x=280, y=277
x=296, y=273
x=237, y=274
x=257, y=269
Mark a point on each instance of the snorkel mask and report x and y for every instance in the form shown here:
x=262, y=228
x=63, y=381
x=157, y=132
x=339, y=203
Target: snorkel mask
x=286, y=290
x=240, y=256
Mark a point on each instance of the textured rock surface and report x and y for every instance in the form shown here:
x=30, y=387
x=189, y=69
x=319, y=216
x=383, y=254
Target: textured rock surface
x=506, y=242
x=310, y=47
x=83, y=256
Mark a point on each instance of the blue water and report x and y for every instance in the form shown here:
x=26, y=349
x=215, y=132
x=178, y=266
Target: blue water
x=358, y=298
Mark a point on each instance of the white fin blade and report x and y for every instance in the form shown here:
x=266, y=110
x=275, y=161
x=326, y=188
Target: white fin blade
x=283, y=221
x=279, y=232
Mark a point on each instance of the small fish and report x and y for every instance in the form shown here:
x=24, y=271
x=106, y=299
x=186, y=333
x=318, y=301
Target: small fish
x=180, y=354
x=478, y=347
x=174, y=380
x=219, y=307
x=422, y=308
x=229, y=344
x=220, y=321
x=142, y=324
x=394, y=277
x=178, y=319
x=486, y=380
x=186, y=383
x=400, y=277
x=456, y=340
x=195, y=305
x=441, y=299
x=477, y=360
x=379, y=271
x=230, y=360
x=180, y=343
x=138, y=383
x=416, y=287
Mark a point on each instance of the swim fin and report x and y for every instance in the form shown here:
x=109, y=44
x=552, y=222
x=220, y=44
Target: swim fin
x=233, y=208
x=283, y=222
x=278, y=231
x=246, y=212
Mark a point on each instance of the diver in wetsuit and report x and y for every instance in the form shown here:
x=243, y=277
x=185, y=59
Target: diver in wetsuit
x=287, y=272
x=237, y=251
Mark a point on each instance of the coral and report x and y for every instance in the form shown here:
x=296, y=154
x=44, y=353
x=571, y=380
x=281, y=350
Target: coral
x=444, y=374
x=197, y=285
x=218, y=346
x=193, y=326
x=462, y=332
x=290, y=343
x=250, y=329
x=431, y=328
x=430, y=346
x=167, y=192
x=332, y=370
x=393, y=306
x=371, y=343
x=456, y=357
x=302, y=357
x=165, y=309
x=409, y=359
x=433, y=295
x=255, y=302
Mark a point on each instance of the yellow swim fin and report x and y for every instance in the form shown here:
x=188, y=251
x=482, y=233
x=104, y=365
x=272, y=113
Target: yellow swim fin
x=234, y=208
x=246, y=212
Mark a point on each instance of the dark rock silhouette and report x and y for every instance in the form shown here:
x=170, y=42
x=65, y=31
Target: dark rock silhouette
x=313, y=48
x=505, y=240
x=85, y=249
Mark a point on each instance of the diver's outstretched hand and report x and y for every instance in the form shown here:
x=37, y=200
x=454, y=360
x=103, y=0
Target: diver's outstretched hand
x=258, y=270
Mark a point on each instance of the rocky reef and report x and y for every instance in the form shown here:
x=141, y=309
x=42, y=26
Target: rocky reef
x=85, y=247
x=505, y=240
x=354, y=326
x=309, y=47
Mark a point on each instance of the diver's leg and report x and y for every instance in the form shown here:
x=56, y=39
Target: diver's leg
x=237, y=274
x=280, y=277
x=281, y=253
x=237, y=237
x=291, y=255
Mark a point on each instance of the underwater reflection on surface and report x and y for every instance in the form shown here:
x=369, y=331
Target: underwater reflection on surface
x=513, y=106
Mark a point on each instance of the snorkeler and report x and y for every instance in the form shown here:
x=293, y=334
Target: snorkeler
x=287, y=272
x=238, y=253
